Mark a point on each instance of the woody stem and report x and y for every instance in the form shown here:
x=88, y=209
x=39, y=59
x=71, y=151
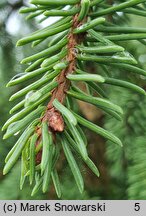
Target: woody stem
x=54, y=117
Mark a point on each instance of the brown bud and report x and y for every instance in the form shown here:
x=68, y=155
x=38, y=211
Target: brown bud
x=56, y=122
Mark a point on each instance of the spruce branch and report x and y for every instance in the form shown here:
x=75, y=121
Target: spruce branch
x=45, y=118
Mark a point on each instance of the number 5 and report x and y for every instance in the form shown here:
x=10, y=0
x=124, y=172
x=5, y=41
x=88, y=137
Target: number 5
x=137, y=207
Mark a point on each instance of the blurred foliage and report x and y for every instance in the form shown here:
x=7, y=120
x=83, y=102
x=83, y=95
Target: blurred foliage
x=128, y=165
x=123, y=170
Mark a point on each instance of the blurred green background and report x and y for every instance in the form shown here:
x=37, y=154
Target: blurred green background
x=123, y=170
